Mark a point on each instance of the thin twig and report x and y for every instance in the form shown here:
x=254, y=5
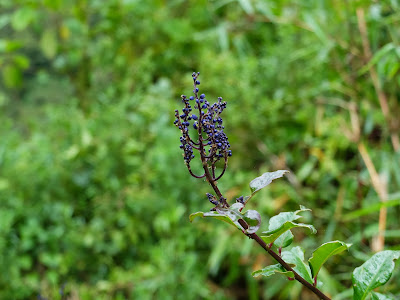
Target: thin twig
x=208, y=164
x=255, y=237
x=383, y=101
x=279, y=259
x=381, y=189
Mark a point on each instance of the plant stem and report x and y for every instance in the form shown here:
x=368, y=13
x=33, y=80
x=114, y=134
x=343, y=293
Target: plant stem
x=212, y=180
x=255, y=237
x=382, y=97
x=380, y=187
x=275, y=255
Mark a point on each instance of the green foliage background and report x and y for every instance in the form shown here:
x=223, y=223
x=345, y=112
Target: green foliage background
x=94, y=195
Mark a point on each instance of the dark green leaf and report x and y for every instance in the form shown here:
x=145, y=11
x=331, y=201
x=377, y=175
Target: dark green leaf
x=284, y=240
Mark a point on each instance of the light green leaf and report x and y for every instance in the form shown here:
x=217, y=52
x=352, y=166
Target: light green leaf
x=323, y=253
x=232, y=215
x=370, y=209
x=253, y=219
x=295, y=256
x=264, y=180
x=12, y=76
x=48, y=43
x=377, y=56
x=22, y=17
x=21, y=61
x=233, y=212
x=310, y=20
x=280, y=224
x=211, y=214
x=271, y=270
x=277, y=221
x=378, y=296
x=373, y=273
x=7, y=46
x=273, y=235
x=246, y=6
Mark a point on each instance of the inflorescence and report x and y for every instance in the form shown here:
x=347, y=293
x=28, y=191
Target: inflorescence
x=211, y=141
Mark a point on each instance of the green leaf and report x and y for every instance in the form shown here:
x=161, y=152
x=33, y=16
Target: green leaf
x=370, y=209
x=284, y=240
x=232, y=212
x=7, y=46
x=177, y=29
x=323, y=253
x=21, y=61
x=378, y=296
x=212, y=214
x=246, y=6
x=271, y=270
x=295, y=256
x=275, y=234
x=377, y=56
x=253, y=219
x=280, y=224
x=232, y=215
x=48, y=43
x=22, y=18
x=264, y=180
x=373, y=273
x=12, y=76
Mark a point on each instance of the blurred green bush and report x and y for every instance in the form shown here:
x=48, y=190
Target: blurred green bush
x=94, y=195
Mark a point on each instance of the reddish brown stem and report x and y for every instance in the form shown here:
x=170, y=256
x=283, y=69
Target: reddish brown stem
x=276, y=256
x=255, y=237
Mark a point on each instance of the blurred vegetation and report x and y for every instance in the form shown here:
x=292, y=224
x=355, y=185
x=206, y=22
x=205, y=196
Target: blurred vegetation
x=94, y=195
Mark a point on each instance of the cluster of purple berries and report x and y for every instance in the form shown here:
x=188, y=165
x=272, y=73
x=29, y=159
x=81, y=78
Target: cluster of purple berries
x=212, y=142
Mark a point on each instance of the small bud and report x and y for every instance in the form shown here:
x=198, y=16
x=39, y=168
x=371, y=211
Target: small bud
x=240, y=200
x=212, y=199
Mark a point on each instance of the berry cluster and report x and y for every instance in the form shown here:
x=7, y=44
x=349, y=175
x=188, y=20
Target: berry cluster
x=204, y=117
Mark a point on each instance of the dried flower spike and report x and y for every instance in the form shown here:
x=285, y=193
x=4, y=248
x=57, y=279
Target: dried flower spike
x=210, y=139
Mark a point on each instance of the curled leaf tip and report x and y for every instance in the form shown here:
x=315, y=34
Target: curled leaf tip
x=265, y=179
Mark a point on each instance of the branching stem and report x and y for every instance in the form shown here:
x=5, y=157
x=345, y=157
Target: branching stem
x=258, y=239
x=218, y=148
x=279, y=259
